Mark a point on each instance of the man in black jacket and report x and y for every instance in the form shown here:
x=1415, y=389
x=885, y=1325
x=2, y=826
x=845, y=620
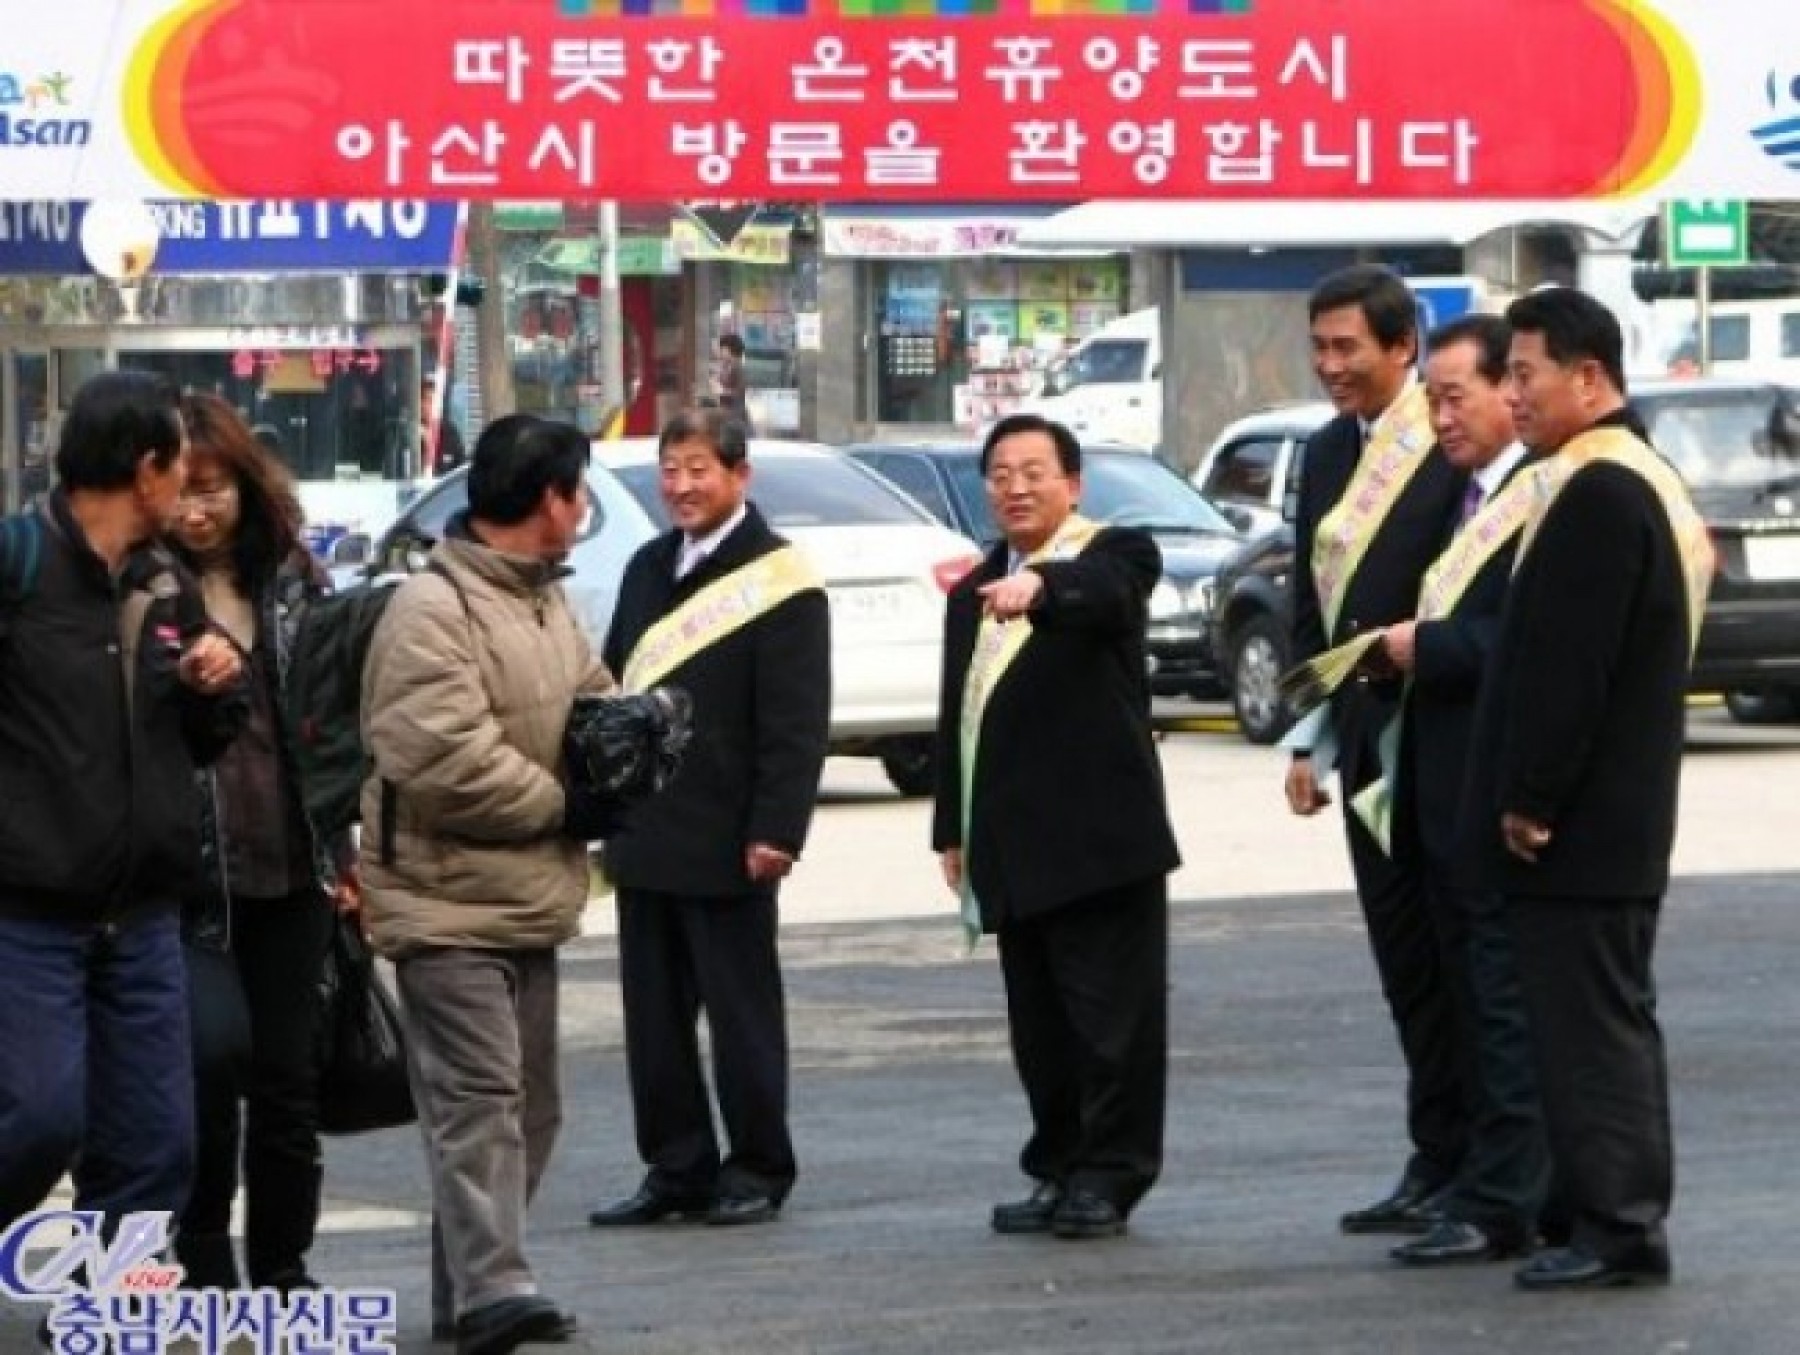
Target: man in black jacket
x=1574, y=774
x=724, y=608
x=1051, y=822
x=1375, y=493
x=1491, y=1209
x=112, y=691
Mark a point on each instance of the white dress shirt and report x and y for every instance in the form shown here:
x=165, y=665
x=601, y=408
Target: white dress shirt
x=696, y=549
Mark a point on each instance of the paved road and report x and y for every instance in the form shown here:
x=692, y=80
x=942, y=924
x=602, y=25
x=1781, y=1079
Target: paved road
x=1284, y=1110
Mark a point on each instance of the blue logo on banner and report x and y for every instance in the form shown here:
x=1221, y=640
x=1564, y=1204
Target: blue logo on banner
x=244, y=237
x=1781, y=136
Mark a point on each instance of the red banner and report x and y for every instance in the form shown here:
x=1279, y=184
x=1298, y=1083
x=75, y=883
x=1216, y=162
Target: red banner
x=1295, y=99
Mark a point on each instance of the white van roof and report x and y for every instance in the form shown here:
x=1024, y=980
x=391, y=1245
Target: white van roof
x=1137, y=325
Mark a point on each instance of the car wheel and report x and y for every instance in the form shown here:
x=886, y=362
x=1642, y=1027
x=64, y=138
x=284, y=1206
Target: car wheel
x=1761, y=705
x=1257, y=664
x=911, y=764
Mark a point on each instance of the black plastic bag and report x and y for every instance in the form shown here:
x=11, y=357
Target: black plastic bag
x=362, y=1057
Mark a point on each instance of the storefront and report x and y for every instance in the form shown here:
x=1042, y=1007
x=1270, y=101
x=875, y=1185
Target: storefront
x=961, y=323
x=551, y=260
x=761, y=284
x=326, y=364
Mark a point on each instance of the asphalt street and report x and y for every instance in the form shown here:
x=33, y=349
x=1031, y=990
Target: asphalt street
x=1284, y=1111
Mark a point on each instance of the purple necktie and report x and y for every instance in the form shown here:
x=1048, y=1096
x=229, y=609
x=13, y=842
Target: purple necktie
x=1471, y=501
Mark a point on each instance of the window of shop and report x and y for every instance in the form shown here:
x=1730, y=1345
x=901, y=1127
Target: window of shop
x=335, y=413
x=964, y=341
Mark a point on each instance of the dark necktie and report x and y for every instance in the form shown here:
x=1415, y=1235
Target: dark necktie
x=1471, y=501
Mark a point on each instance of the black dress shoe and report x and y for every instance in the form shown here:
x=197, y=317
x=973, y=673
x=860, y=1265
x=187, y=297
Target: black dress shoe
x=1578, y=1268
x=501, y=1327
x=1453, y=1244
x=731, y=1209
x=1412, y=1208
x=1083, y=1214
x=1030, y=1215
x=650, y=1206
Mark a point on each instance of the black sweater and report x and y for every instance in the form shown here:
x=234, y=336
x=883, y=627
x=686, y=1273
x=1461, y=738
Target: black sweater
x=762, y=717
x=1581, y=724
x=99, y=810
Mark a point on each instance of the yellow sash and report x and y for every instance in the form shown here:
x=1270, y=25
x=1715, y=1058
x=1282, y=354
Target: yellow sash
x=1448, y=578
x=1476, y=543
x=1398, y=442
x=1538, y=490
x=997, y=644
x=1624, y=448
x=1470, y=550
x=717, y=610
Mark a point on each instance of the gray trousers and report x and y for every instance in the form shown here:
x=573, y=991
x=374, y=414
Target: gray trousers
x=481, y=1049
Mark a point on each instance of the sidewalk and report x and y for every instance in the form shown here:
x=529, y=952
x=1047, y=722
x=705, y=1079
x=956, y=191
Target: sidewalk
x=1284, y=1111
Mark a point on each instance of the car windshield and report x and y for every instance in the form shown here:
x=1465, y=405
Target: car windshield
x=1124, y=489
x=1139, y=491
x=798, y=491
x=1721, y=439
x=1103, y=362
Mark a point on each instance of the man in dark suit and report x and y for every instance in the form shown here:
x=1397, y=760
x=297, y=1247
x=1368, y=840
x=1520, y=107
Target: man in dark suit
x=1574, y=775
x=726, y=609
x=1375, y=493
x=1051, y=822
x=1491, y=1208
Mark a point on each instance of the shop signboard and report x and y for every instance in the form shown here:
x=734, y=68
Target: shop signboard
x=243, y=237
x=952, y=100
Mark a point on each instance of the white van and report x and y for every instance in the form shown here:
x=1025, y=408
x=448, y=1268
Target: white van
x=1754, y=340
x=1109, y=389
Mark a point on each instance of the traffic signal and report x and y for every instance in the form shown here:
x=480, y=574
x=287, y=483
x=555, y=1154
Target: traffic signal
x=470, y=290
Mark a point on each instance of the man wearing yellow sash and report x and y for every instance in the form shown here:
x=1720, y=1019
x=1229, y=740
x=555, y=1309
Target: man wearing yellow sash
x=1375, y=493
x=723, y=607
x=1491, y=1208
x=1051, y=822
x=1573, y=781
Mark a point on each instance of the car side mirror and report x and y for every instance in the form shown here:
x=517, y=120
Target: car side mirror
x=351, y=549
x=1237, y=515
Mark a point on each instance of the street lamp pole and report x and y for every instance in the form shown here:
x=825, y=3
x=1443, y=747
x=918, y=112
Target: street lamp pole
x=614, y=396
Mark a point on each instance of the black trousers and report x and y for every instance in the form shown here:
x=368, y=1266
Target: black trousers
x=1585, y=970
x=1087, y=994
x=679, y=956
x=265, y=1109
x=1506, y=1168
x=1408, y=961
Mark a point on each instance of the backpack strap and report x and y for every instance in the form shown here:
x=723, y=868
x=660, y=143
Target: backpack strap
x=21, y=554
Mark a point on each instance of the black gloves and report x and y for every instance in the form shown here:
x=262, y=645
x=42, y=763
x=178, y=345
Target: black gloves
x=618, y=750
x=589, y=815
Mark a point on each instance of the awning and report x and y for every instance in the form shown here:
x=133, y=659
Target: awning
x=951, y=231
x=1240, y=225
x=580, y=256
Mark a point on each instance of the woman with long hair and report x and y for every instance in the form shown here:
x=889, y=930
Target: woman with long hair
x=258, y=934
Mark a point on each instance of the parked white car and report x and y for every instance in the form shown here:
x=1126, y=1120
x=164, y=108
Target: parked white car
x=887, y=565
x=1253, y=465
x=886, y=562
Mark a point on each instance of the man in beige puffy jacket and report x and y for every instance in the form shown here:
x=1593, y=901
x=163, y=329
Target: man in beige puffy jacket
x=476, y=867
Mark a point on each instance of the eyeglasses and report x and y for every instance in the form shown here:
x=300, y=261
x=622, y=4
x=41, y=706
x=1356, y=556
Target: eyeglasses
x=1003, y=479
x=209, y=500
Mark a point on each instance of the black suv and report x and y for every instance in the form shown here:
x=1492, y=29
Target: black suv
x=1737, y=443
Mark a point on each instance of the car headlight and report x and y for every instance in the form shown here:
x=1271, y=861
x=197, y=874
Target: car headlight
x=1203, y=596
x=1165, y=601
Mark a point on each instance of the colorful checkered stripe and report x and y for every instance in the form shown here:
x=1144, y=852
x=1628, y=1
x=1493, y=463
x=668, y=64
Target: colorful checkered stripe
x=892, y=9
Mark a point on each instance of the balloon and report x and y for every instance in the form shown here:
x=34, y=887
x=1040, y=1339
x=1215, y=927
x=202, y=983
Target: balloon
x=119, y=239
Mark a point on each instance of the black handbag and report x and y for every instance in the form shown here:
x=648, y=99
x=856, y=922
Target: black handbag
x=363, y=1083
